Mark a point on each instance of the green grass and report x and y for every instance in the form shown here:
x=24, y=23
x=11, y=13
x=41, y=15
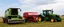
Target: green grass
x=35, y=24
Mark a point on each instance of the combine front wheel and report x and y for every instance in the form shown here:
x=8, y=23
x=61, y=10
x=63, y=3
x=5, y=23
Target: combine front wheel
x=3, y=20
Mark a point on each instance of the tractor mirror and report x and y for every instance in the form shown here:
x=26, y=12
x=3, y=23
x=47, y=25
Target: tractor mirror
x=20, y=9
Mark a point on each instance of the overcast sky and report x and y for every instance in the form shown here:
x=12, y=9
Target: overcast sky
x=33, y=5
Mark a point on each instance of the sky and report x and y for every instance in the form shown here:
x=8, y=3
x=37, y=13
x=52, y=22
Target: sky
x=32, y=6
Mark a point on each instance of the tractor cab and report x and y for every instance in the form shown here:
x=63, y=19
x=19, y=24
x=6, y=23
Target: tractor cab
x=47, y=12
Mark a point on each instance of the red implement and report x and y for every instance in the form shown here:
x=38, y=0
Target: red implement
x=30, y=16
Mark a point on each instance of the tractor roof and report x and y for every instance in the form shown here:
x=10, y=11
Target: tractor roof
x=47, y=10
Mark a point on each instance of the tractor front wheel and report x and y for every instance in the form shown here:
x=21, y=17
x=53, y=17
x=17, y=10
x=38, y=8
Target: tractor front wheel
x=5, y=20
x=58, y=20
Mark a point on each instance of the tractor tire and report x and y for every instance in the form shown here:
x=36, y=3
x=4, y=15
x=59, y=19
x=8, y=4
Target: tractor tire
x=58, y=20
x=52, y=20
x=39, y=19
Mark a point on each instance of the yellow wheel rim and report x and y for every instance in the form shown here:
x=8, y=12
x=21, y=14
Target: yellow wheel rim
x=39, y=19
x=52, y=20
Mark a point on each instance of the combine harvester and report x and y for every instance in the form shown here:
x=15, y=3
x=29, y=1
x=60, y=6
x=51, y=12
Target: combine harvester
x=48, y=15
x=30, y=16
x=12, y=16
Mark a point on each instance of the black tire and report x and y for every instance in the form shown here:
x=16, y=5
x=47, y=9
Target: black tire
x=58, y=20
x=25, y=20
x=3, y=20
x=42, y=18
x=57, y=16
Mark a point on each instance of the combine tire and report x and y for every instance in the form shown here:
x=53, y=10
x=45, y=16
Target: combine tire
x=25, y=20
x=3, y=20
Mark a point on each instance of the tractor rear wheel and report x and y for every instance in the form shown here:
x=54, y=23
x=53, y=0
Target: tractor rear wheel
x=39, y=19
x=52, y=20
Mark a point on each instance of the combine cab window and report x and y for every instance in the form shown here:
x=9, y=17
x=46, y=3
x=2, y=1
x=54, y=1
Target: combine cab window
x=14, y=11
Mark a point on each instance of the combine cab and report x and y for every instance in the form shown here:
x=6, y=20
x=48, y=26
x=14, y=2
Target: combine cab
x=12, y=15
x=49, y=16
x=30, y=16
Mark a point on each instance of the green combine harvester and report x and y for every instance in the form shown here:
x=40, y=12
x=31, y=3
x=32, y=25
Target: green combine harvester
x=48, y=15
x=12, y=15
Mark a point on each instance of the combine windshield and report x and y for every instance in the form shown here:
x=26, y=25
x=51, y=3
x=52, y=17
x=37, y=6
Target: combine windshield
x=14, y=11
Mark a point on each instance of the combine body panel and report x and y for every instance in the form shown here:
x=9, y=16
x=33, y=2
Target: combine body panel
x=12, y=15
x=49, y=16
x=30, y=16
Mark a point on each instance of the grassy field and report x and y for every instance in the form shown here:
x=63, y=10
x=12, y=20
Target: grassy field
x=35, y=24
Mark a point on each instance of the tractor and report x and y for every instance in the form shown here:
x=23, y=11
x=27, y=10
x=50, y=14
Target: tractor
x=12, y=15
x=30, y=16
x=47, y=15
